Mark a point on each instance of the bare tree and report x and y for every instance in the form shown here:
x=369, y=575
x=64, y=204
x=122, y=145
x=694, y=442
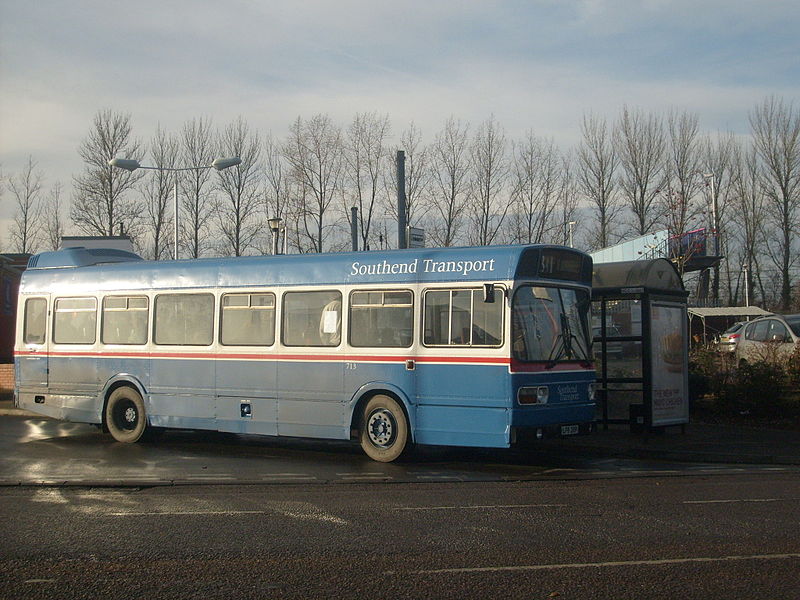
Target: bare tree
x=776, y=136
x=26, y=189
x=365, y=158
x=597, y=166
x=159, y=192
x=53, y=223
x=640, y=145
x=314, y=151
x=279, y=186
x=239, y=187
x=198, y=148
x=567, y=203
x=537, y=186
x=101, y=203
x=716, y=157
x=450, y=178
x=748, y=204
x=488, y=205
x=678, y=199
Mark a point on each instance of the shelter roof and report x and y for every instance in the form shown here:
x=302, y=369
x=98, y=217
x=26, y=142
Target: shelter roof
x=651, y=275
x=728, y=311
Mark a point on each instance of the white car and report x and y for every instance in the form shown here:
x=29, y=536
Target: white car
x=778, y=334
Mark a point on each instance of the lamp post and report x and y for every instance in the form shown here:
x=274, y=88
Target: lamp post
x=570, y=225
x=276, y=226
x=131, y=165
x=714, y=230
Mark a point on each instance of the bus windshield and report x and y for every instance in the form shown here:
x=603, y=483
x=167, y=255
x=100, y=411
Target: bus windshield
x=548, y=324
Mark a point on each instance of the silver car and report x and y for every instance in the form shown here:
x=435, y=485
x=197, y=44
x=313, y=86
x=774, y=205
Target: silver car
x=776, y=335
x=730, y=337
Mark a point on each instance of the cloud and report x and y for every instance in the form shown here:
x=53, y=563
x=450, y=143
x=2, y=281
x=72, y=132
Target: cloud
x=533, y=65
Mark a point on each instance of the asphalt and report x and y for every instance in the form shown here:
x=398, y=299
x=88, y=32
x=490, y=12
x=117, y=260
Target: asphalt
x=696, y=442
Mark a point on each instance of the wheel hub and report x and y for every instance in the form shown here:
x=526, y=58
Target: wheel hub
x=381, y=428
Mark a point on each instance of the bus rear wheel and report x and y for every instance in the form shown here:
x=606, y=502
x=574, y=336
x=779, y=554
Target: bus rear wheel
x=125, y=416
x=384, y=429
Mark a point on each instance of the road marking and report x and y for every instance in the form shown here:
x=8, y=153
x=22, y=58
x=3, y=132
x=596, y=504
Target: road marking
x=186, y=513
x=622, y=563
x=739, y=500
x=481, y=506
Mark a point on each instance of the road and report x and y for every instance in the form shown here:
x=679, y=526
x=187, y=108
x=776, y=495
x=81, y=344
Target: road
x=447, y=524
x=720, y=536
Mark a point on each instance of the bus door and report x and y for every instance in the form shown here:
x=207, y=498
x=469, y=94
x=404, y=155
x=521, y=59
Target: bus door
x=32, y=361
x=311, y=368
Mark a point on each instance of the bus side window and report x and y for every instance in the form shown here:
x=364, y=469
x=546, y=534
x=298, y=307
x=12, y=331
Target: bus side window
x=248, y=319
x=381, y=318
x=312, y=318
x=184, y=319
x=460, y=317
x=75, y=321
x=35, y=321
x=124, y=320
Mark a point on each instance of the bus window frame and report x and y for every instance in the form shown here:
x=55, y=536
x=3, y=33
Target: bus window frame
x=382, y=291
x=154, y=329
x=476, y=288
x=284, y=312
x=45, y=320
x=103, y=320
x=53, y=329
x=248, y=293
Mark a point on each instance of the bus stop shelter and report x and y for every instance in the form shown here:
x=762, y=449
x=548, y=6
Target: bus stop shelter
x=640, y=335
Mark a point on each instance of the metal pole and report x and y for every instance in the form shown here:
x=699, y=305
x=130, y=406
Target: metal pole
x=354, y=227
x=746, y=286
x=401, y=200
x=175, y=251
x=275, y=240
x=714, y=216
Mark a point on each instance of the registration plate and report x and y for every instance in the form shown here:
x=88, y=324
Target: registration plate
x=569, y=430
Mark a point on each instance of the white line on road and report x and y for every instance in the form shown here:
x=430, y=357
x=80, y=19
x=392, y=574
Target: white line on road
x=622, y=563
x=481, y=506
x=739, y=500
x=186, y=513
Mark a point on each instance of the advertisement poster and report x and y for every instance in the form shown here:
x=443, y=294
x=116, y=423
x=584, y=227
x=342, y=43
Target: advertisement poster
x=670, y=369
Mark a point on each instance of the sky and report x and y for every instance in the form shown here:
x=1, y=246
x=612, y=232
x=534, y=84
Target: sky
x=535, y=65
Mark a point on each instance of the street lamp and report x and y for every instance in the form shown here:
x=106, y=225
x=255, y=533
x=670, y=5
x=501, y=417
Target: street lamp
x=570, y=226
x=276, y=226
x=219, y=164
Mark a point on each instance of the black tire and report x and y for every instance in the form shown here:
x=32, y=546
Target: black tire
x=125, y=415
x=384, y=429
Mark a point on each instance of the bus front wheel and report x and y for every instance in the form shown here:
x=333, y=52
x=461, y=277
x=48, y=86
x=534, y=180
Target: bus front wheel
x=384, y=429
x=125, y=416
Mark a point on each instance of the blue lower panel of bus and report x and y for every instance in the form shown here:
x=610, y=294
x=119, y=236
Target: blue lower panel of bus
x=463, y=426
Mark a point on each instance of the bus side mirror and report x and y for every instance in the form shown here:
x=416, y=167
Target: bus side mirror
x=488, y=293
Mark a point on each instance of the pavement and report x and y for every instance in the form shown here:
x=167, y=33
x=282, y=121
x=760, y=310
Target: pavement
x=697, y=442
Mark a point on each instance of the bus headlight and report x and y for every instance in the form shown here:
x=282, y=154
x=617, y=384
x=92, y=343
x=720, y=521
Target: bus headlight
x=533, y=395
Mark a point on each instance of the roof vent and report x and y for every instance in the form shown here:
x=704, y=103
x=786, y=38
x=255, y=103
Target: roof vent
x=80, y=257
